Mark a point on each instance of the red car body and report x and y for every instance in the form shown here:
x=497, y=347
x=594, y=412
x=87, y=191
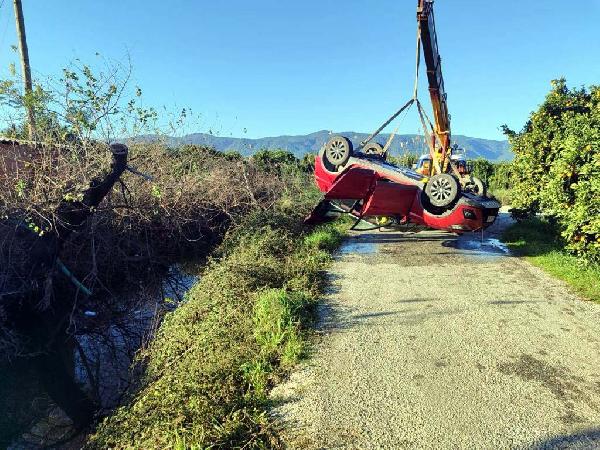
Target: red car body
x=378, y=188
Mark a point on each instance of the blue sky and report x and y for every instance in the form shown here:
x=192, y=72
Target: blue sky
x=266, y=67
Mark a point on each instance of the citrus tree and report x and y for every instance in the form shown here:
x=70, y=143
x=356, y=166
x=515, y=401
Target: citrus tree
x=557, y=165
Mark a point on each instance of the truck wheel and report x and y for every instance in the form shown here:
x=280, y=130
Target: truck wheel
x=373, y=148
x=476, y=186
x=338, y=150
x=442, y=189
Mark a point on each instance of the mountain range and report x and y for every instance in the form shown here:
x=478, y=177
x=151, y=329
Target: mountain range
x=311, y=143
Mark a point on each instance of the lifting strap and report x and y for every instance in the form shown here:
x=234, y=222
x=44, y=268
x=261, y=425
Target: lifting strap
x=432, y=137
x=387, y=122
x=429, y=138
x=409, y=103
x=390, y=140
x=425, y=118
x=417, y=63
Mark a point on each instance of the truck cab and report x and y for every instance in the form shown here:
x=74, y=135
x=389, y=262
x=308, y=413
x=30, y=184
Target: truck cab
x=424, y=164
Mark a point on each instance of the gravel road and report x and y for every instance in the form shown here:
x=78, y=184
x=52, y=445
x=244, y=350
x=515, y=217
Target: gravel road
x=435, y=341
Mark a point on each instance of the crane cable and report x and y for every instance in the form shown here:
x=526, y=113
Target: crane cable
x=422, y=114
x=417, y=64
x=387, y=122
x=408, y=104
x=436, y=136
x=429, y=138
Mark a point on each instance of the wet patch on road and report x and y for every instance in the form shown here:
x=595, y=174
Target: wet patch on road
x=357, y=246
x=478, y=246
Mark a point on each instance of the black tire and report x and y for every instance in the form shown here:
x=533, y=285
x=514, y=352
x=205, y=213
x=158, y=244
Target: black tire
x=373, y=148
x=442, y=189
x=476, y=186
x=338, y=150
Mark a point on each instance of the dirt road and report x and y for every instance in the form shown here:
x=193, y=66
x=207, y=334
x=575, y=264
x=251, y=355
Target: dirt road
x=434, y=341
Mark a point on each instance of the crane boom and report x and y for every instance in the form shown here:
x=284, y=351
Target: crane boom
x=433, y=61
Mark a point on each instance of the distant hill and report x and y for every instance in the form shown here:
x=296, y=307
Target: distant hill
x=311, y=143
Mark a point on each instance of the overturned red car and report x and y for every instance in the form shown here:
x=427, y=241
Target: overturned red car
x=372, y=190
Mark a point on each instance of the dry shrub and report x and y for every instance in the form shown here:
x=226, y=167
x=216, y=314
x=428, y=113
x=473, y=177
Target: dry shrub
x=141, y=227
x=34, y=178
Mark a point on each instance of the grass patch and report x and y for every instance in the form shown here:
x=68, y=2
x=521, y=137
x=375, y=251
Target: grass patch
x=323, y=239
x=538, y=241
x=214, y=359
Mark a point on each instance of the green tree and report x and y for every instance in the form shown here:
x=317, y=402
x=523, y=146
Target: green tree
x=557, y=165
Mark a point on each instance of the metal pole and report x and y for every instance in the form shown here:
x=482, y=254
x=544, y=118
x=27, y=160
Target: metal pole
x=25, y=67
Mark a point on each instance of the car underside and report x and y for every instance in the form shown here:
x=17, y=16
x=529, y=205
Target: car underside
x=384, y=195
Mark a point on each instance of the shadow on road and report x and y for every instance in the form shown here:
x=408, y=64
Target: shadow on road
x=584, y=440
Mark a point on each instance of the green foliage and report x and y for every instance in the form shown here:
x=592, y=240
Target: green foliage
x=274, y=159
x=557, y=165
x=40, y=100
x=323, y=239
x=538, y=241
x=278, y=316
x=83, y=104
x=497, y=176
x=404, y=160
x=483, y=169
x=232, y=155
x=307, y=163
x=213, y=360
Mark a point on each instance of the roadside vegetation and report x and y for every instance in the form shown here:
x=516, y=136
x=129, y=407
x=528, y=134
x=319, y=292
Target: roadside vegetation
x=211, y=365
x=556, y=171
x=555, y=188
x=204, y=364
x=203, y=379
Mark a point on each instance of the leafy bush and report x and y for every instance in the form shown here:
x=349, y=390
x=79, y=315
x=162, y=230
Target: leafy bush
x=557, y=165
x=87, y=102
x=483, y=169
x=269, y=160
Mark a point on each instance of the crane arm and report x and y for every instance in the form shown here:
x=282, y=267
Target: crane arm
x=433, y=61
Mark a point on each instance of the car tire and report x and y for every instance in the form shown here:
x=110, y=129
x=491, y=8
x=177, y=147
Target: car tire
x=373, y=148
x=442, y=190
x=476, y=186
x=338, y=151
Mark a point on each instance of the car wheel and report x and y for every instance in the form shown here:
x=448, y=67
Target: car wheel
x=373, y=148
x=442, y=189
x=476, y=186
x=338, y=150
